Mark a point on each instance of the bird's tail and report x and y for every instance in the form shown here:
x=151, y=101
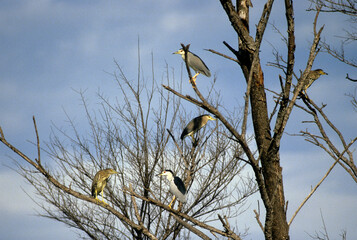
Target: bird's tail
x=93, y=191
x=184, y=133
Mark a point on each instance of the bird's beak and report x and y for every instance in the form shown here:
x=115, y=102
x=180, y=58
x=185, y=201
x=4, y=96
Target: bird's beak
x=159, y=174
x=325, y=73
x=175, y=52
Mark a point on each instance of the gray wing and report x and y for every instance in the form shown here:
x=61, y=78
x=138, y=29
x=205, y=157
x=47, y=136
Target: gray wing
x=197, y=64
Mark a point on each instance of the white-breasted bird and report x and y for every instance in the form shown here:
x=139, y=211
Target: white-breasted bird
x=194, y=62
x=177, y=187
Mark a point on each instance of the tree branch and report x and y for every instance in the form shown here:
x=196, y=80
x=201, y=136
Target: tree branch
x=320, y=182
x=76, y=194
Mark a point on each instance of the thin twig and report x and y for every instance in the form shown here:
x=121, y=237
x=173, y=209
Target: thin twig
x=135, y=206
x=38, y=141
x=351, y=79
x=186, y=49
x=226, y=226
x=320, y=182
x=178, y=147
x=222, y=55
x=258, y=220
x=2, y=133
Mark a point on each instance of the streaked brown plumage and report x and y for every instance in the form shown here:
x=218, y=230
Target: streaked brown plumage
x=100, y=181
x=311, y=77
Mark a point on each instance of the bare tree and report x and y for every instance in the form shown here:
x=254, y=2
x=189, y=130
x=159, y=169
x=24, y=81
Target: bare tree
x=268, y=129
x=136, y=136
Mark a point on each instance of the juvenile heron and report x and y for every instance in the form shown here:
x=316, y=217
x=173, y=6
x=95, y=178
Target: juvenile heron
x=195, y=124
x=311, y=77
x=100, y=181
x=194, y=62
x=177, y=187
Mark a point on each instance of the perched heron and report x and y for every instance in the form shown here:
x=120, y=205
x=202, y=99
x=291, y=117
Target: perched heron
x=100, y=181
x=177, y=187
x=311, y=77
x=194, y=62
x=195, y=124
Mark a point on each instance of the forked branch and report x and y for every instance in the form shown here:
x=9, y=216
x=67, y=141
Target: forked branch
x=320, y=182
x=71, y=192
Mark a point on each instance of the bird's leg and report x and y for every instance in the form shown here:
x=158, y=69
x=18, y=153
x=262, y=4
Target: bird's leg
x=173, y=199
x=103, y=199
x=96, y=196
x=193, y=139
x=194, y=77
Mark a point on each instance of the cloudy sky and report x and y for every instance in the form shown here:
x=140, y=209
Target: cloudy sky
x=52, y=49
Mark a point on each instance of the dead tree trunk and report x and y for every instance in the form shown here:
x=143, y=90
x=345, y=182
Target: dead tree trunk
x=276, y=226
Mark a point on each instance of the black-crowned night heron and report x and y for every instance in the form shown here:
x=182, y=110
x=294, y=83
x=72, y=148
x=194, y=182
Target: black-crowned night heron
x=194, y=62
x=311, y=77
x=194, y=125
x=177, y=187
x=100, y=181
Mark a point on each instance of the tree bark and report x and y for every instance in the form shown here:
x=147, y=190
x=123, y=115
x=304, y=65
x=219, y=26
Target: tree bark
x=276, y=226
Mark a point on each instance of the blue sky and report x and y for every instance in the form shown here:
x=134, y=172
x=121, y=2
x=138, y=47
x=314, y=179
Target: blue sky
x=51, y=49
